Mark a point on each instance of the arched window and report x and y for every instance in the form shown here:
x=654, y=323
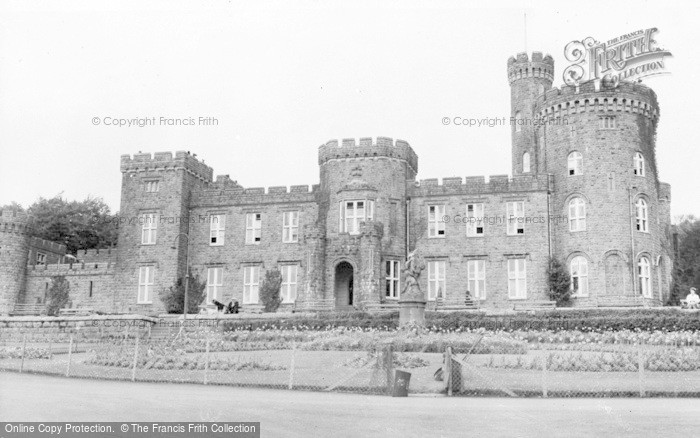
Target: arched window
x=642, y=216
x=577, y=215
x=575, y=163
x=526, y=162
x=644, y=274
x=540, y=89
x=518, y=121
x=639, y=164
x=579, y=276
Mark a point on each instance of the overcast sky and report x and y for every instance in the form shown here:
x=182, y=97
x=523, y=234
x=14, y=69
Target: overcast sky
x=284, y=77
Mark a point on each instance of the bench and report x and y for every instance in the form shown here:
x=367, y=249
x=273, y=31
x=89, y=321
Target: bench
x=387, y=306
x=78, y=311
x=28, y=309
x=322, y=305
x=251, y=308
x=534, y=305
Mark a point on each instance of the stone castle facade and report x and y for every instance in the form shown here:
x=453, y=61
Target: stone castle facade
x=584, y=189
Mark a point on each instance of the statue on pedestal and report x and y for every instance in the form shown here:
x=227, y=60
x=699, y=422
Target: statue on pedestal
x=413, y=267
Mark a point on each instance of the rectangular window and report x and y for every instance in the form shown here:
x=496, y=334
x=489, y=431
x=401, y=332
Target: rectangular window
x=217, y=229
x=90, y=290
x=215, y=281
x=516, y=217
x=436, y=280
x=436, y=222
x=146, y=276
x=152, y=186
x=149, y=229
x=476, y=275
x=475, y=220
x=352, y=213
x=253, y=228
x=517, y=285
x=288, y=291
x=393, y=275
x=40, y=258
x=608, y=122
x=251, y=284
x=290, y=227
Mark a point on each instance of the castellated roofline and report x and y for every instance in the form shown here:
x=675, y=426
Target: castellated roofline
x=349, y=148
x=523, y=67
x=522, y=57
x=183, y=160
x=475, y=185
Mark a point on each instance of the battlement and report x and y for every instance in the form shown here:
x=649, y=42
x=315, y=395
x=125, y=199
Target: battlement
x=182, y=160
x=475, y=185
x=100, y=268
x=215, y=195
x=665, y=191
x=522, y=67
x=14, y=221
x=98, y=255
x=590, y=96
x=385, y=147
x=47, y=245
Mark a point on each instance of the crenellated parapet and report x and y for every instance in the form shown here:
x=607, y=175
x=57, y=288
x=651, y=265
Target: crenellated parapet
x=234, y=195
x=523, y=67
x=69, y=269
x=591, y=96
x=665, y=192
x=478, y=185
x=383, y=147
x=47, y=245
x=163, y=161
x=15, y=222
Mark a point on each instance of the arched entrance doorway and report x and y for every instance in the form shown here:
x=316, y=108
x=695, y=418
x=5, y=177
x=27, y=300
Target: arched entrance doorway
x=344, y=274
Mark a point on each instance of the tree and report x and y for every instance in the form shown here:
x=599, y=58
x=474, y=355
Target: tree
x=270, y=290
x=58, y=295
x=559, y=281
x=174, y=297
x=77, y=224
x=686, y=266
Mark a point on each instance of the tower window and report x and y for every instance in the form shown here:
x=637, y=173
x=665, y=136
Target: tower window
x=152, y=186
x=436, y=223
x=608, y=122
x=575, y=163
x=639, y=164
x=579, y=276
x=526, y=162
x=146, y=282
x=253, y=228
x=642, y=215
x=90, y=290
x=352, y=213
x=149, y=229
x=644, y=274
x=518, y=121
x=40, y=258
x=577, y=215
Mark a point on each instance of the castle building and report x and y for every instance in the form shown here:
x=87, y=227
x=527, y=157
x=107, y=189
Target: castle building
x=584, y=189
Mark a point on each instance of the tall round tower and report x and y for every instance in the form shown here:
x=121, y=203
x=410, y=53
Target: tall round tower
x=609, y=221
x=15, y=233
x=528, y=78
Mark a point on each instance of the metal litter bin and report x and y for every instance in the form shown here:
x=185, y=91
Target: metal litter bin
x=401, y=380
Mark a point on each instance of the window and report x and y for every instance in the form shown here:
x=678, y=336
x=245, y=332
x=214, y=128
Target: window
x=288, y=291
x=90, y=290
x=217, y=229
x=152, y=186
x=639, y=164
x=149, y=229
x=253, y=228
x=251, y=284
x=475, y=221
x=575, y=163
x=215, y=281
x=572, y=131
x=577, y=215
x=393, y=275
x=516, y=217
x=642, y=216
x=436, y=224
x=476, y=275
x=644, y=273
x=579, y=276
x=354, y=212
x=518, y=121
x=608, y=122
x=517, y=285
x=290, y=227
x=40, y=258
x=526, y=162
x=146, y=274
x=436, y=280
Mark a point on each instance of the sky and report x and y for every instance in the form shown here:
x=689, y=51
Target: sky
x=282, y=78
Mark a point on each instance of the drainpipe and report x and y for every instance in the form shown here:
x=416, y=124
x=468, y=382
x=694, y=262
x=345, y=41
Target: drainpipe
x=408, y=224
x=633, y=259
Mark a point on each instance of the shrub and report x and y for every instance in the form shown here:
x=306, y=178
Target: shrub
x=58, y=295
x=270, y=290
x=559, y=282
x=174, y=297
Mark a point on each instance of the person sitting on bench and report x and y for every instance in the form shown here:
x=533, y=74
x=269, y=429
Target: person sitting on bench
x=693, y=300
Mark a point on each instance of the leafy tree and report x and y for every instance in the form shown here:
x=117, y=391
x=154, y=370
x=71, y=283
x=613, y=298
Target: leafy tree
x=559, y=282
x=270, y=290
x=686, y=265
x=174, y=297
x=58, y=295
x=78, y=224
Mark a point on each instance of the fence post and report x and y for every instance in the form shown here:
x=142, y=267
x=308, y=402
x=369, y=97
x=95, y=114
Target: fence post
x=389, y=367
x=24, y=349
x=448, y=370
x=641, y=371
x=70, y=351
x=136, y=356
x=291, y=365
x=544, y=374
x=206, y=360
x=50, y=347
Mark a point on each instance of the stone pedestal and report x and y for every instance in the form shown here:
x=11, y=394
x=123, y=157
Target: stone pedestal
x=412, y=311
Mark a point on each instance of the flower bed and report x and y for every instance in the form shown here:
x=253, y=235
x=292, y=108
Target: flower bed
x=29, y=353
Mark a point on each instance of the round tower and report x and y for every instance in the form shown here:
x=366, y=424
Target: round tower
x=15, y=233
x=599, y=146
x=528, y=78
